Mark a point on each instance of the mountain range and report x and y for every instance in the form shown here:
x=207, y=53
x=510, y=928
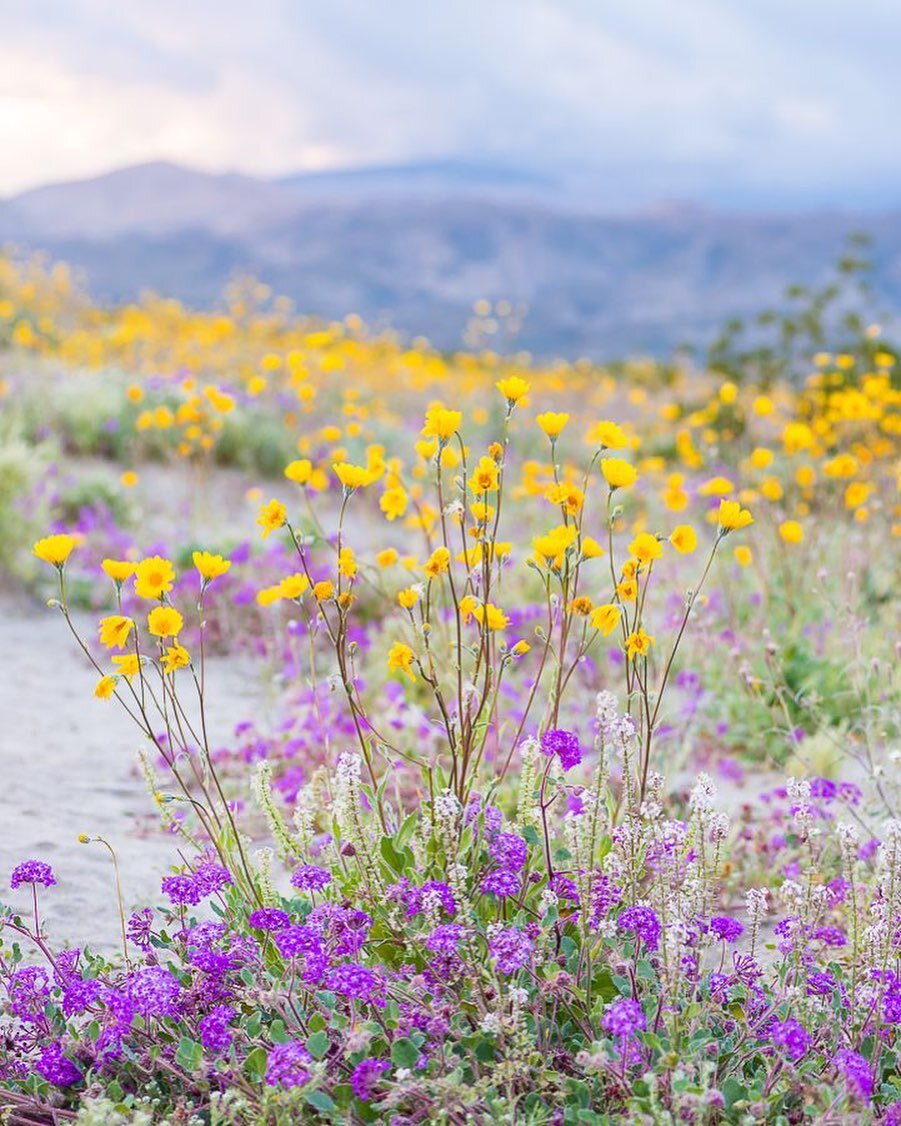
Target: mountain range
x=414, y=246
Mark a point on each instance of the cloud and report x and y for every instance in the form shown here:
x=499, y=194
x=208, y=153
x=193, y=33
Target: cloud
x=717, y=99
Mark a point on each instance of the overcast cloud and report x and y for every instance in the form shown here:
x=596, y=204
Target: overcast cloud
x=788, y=102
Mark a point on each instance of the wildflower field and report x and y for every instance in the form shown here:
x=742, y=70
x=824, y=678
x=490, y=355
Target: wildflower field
x=573, y=791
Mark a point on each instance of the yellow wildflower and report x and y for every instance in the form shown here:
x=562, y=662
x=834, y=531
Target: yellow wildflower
x=387, y=558
x=175, y=657
x=638, y=644
x=55, y=549
x=299, y=471
x=552, y=423
x=441, y=423
x=353, y=476
x=272, y=515
x=128, y=665
x=491, y=616
x=347, y=563
x=791, y=531
x=605, y=618
x=106, y=686
x=154, y=577
x=646, y=547
x=118, y=569
x=210, y=566
x=408, y=597
x=437, y=563
x=618, y=474
x=732, y=517
x=164, y=621
x=684, y=539
x=513, y=388
x=716, y=487
x=115, y=631
x=484, y=477
x=393, y=502
x=400, y=657
x=293, y=586
x=607, y=435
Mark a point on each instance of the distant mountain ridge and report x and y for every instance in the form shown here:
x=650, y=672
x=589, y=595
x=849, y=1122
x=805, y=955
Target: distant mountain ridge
x=414, y=246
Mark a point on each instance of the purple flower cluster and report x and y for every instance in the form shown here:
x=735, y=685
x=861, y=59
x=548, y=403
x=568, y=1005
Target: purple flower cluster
x=359, y=983
x=57, y=1068
x=793, y=1038
x=624, y=1017
x=288, y=1065
x=153, y=991
x=310, y=877
x=32, y=872
x=365, y=1077
x=501, y=882
x=269, y=919
x=215, y=1034
x=187, y=890
x=563, y=744
x=857, y=1072
x=643, y=922
x=726, y=928
x=508, y=850
x=511, y=949
x=445, y=939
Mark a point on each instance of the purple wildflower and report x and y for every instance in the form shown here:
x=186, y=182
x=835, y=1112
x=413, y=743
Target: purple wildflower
x=792, y=1037
x=288, y=1065
x=831, y=936
x=604, y=897
x=27, y=988
x=310, y=877
x=511, y=949
x=57, y=1068
x=79, y=995
x=154, y=992
x=32, y=872
x=644, y=923
x=211, y=878
x=501, y=883
x=139, y=927
x=820, y=985
x=857, y=1072
x=215, y=1035
x=508, y=850
x=352, y=980
x=269, y=919
x=563, y=744
x=366, y=1076
x=624, y=1017
x=564, y=888
x=433, y=891
x=445, y=939
x=183, y=891
x=726, y=928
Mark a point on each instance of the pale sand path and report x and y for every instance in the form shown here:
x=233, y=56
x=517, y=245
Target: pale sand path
x=68, y=766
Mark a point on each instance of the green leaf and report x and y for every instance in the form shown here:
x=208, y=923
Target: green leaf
x=391, y=856
x=404, y=1053
x=189, y=1054
x=321, y=1101
x=318, y=1044
x=255, y=1065
x=733, y=1091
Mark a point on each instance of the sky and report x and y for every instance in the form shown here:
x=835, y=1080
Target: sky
x=783, y=103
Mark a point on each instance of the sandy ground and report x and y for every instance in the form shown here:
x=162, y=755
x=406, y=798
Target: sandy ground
x=68, y=766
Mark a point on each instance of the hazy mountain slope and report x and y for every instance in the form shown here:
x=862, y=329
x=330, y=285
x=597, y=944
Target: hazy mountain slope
x=417, y=260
